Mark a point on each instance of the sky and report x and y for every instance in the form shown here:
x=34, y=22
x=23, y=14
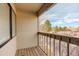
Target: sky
x=63, y=14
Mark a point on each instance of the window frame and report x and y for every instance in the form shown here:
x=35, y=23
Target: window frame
x=12, y=10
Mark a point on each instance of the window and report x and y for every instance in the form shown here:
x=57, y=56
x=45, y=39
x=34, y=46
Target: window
x=7, y=23
x=4, y=23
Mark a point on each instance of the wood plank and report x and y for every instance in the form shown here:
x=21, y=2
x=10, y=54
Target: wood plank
x=16, y=53
x=19, y=52
x=30, y=50
x=35, y=51
x=41, y=52
x=25, y=50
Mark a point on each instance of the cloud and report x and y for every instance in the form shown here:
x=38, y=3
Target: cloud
x=57, y=23
x=71, y=17
x=71, y=20
x=44, y=17
x=47, y=16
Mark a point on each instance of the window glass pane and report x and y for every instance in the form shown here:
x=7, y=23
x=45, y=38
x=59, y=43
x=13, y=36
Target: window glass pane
x=4, y=23
x=13, y=24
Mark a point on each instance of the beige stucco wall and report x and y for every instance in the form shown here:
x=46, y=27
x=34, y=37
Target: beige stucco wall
x=26, y=30
x=10, y=48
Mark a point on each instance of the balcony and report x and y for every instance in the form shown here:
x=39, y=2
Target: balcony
x=29, y=41
x=52, y=45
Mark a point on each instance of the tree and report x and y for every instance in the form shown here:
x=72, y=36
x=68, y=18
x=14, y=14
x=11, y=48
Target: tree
x=65, y=29
x=56, y=29
x=47, y=26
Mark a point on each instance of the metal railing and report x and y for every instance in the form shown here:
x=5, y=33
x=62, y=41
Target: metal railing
x=58, y=45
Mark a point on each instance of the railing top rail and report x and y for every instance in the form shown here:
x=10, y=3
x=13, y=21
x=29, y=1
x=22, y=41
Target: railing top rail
x=48, y=34
x=72, y=40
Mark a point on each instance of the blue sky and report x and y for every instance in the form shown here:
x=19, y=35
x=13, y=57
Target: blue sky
x=63, y=14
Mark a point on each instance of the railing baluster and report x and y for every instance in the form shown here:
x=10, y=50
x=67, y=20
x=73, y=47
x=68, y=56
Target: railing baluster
x=44, y=42
x=68, y=46
x=47, y=44
x=54, y=44
x=60, y=45
x=38, y=38
x=40, y=41
x=50, y=45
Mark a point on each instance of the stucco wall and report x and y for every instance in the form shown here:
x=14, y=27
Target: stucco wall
x=26, y=30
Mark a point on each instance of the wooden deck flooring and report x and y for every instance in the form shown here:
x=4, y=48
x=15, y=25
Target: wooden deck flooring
x=35, y=51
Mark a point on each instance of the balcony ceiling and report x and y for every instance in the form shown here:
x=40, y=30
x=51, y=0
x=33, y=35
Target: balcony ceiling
x=28, y=7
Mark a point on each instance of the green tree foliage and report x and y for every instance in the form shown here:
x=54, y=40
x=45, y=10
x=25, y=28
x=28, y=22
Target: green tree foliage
x=65, y=29
x=56, y=29
x=47, y=26
x=60, y=29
